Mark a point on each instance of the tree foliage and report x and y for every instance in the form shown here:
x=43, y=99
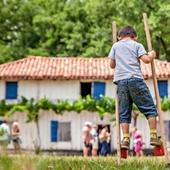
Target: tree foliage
x=77, y=28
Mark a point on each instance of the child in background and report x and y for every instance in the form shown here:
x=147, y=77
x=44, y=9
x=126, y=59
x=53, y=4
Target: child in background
x=16, y=133
x=138, y=141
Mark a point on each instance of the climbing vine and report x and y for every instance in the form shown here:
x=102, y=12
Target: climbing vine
x=101, y=107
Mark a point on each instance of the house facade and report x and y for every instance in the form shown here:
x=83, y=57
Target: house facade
x=68, y=78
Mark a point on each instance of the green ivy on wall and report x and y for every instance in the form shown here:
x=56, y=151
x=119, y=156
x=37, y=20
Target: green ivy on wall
x=101, y=107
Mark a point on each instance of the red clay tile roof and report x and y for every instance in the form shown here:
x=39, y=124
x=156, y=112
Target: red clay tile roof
x=71, y=68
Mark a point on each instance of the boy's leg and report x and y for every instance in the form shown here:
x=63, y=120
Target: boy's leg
x=125, y=109
x=125, y=128
x=141, y=96
x=152, y=122
x=126, y=135
x=154, y=140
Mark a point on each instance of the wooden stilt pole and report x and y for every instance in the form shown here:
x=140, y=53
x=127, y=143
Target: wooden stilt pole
x=114, y=33
x=116, y=103
x=156, y=92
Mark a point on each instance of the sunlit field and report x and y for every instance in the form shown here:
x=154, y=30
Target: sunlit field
x=29, y=162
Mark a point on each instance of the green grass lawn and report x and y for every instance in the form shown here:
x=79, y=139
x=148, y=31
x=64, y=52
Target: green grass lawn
x=28, y=162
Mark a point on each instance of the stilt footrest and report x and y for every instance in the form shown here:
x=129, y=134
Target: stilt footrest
x=159, y=150
x=124, y=153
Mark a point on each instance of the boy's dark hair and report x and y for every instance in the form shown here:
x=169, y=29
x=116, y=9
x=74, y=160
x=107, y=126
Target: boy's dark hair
x=127, y=31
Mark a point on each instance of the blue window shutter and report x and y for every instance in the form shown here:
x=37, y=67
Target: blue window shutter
x=11, y=90
x=0, y=122
x=98, y=89
x=54, y=131
x=163, y=88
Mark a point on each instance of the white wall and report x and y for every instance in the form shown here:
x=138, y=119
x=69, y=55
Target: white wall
x=110, y=89
x=61, y=89
x=29, y=130
x=28, y=89
x=53, y=90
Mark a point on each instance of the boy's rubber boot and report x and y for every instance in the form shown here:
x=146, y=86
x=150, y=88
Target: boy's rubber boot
x=125, y=143
x=154, y=140
x=124, y=147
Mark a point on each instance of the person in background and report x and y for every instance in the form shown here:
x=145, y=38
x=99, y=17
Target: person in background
x=16, y=133
x=95, y=140
x=109, y=134
x=99, y=134
x=4, y=137
x=86, y=138
x=138, y=141
x=103, y=140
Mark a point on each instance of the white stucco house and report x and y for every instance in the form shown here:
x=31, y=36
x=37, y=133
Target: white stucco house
x=68, y=78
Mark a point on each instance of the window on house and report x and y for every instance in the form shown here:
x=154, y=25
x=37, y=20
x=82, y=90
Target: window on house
x=64, y=133
x=1, y=122
x=163, y=88
x=60, y=131
x=11, y=90
x=85, y=89
x=98, y=89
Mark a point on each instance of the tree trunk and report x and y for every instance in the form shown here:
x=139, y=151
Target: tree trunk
x=37, y=143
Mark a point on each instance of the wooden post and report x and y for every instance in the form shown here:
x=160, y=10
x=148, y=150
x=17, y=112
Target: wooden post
x=116, y=104
x=156, y=91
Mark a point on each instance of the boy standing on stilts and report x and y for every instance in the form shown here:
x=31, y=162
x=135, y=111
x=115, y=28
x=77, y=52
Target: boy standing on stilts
x=125, y=57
